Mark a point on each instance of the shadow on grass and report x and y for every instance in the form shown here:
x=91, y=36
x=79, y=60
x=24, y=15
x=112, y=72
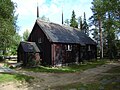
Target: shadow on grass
x=114, y=70
x=78, y=86
x=111, y=81
x=25, y=78
x=67, y=69
x=103, y=84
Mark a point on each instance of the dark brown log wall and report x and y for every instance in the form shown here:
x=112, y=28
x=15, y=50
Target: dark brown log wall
x=60, y=54
x=21, y=55
x=92, y=54
x=44, y=46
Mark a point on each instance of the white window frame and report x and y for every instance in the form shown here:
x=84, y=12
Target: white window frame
x=39, y=40
x=89, y=48
x=69, y=47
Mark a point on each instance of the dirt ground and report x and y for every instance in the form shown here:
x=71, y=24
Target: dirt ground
x=44, y=81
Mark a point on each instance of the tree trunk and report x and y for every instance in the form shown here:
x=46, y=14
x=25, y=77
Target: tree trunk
x=101, y=40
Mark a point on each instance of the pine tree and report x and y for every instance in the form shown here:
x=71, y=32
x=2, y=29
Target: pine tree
x=96, y=35
x=85, y=27
x=98, y=16
x=106, y=16
x=83, y=24
x=73, y=22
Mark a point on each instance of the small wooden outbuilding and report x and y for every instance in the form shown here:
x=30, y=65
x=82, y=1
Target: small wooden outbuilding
x=28, y=53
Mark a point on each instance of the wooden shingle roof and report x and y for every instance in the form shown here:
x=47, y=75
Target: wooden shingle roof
x=64, y=34
x=29, y=47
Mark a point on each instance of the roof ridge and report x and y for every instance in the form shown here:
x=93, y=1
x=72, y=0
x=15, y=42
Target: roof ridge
x=38, y=19
x=62, y=33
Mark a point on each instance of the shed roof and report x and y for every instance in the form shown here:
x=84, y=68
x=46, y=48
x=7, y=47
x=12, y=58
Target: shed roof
x=29, y=47
x=64, y=34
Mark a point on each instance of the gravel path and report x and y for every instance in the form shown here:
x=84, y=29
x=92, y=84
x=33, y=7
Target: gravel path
x=46, y=80
x=6, y=70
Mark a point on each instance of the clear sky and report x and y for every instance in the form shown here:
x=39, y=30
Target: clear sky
x=52, y=9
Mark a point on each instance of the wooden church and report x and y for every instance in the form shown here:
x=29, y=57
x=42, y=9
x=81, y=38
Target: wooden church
x=56, y=44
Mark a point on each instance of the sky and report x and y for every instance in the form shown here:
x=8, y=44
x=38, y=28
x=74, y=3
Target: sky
x=52, y=9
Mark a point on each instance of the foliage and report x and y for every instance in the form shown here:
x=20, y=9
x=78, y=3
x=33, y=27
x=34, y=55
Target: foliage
x=16, y=41
x=14, y=77
x=44, y=18
x=85, y=27
x=8, y=25
x=70, y=68
x=73, y=22
x=67, y=22
x=106, y=19
x=83, y=24
x=26, y=35
x=96, y=34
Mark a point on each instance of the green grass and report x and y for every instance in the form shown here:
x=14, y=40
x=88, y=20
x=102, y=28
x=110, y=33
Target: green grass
x=66, y=69
x=14, y=77
x=6, y=78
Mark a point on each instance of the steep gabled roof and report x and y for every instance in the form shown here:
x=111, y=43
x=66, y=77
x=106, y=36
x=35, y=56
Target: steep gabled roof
x=64, y=34
x=29, y=47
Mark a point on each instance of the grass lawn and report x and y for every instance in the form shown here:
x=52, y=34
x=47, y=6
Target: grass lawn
x=106, y=82
x=14, y=77
x=69, y=68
